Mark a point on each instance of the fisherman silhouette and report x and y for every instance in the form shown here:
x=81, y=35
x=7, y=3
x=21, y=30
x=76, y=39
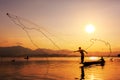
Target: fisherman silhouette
x=82, y=54
x=27, y=57
x=102, y=59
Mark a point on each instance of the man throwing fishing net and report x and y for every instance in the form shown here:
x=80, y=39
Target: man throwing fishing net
x=82, y=54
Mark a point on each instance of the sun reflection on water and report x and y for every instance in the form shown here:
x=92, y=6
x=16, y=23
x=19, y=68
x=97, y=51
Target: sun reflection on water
x=93, y=58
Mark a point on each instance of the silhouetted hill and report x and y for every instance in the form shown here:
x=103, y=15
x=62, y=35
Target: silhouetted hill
x=14, y=51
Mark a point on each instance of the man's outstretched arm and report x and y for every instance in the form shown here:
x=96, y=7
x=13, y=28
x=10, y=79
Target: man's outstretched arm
x=76, y=51
x=86, y=52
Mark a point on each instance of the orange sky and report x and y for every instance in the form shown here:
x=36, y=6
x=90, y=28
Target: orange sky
x=65, y=20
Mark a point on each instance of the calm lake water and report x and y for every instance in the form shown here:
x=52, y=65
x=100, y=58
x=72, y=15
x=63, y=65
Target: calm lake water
x=62, y=68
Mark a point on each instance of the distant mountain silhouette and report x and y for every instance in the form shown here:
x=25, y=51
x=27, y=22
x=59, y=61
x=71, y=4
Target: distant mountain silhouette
x=14, y=51
x=19, y=51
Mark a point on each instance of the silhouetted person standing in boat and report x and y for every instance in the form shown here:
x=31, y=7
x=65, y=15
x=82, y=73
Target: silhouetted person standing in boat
x=82, y=54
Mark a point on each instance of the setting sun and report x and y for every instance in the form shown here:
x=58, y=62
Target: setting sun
x=90, y=28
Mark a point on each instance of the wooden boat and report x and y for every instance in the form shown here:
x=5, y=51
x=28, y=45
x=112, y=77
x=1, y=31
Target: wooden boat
x=100, y=62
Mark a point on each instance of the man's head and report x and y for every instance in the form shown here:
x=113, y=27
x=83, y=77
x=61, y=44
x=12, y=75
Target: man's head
x=79, y=47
